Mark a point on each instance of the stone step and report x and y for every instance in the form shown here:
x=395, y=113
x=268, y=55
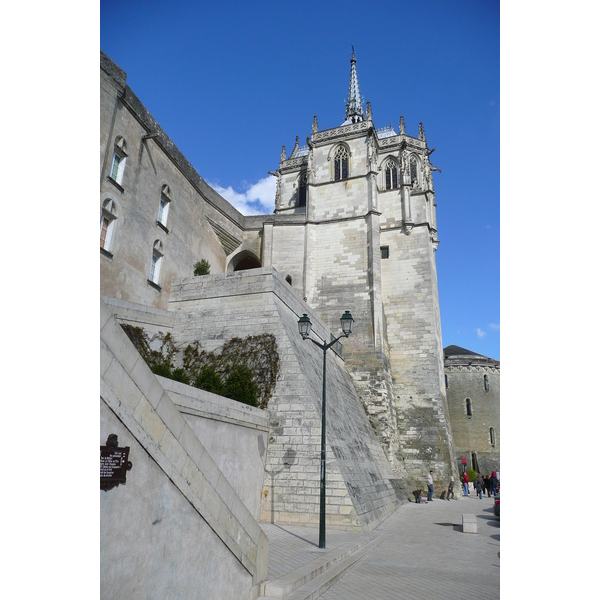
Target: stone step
x=311, y=580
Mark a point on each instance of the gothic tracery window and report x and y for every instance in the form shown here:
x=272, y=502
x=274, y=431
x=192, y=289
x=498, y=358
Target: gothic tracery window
x=414, y=178
x=391, y=175
x=341, y=163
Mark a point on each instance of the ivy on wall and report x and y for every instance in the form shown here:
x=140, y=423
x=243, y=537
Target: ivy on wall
x=245, y=369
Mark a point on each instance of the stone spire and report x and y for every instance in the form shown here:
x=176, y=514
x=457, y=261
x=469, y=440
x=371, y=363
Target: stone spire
x=354, y=109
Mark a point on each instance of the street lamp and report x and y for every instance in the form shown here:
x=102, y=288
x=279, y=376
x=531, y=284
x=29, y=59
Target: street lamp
x=304, y=326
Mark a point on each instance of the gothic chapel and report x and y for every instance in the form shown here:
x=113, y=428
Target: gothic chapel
x=353, y=228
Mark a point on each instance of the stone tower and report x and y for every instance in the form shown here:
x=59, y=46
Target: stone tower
x=355, y=229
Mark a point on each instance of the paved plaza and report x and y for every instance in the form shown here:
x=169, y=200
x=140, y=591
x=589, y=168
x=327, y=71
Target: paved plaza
x=423, y=553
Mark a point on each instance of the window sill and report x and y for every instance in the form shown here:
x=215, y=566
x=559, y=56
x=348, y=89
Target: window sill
x=163, y=227
x=117, y=185
x=154, y=285
x=106, y=253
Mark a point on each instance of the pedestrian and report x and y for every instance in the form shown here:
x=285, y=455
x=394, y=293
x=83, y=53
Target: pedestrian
x=450, y=488
x=430, y=486
x=493, y=483
x=479, y=485
x=486, y=483
x=465, y=484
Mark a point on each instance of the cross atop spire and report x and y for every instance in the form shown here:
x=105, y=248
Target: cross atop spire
x=354, y=108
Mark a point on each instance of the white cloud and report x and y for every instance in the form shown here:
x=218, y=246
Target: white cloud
x=480, y=333
x=257, y=199
x=495, y=326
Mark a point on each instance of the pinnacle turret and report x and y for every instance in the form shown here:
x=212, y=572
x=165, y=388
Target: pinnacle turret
x=354, y=108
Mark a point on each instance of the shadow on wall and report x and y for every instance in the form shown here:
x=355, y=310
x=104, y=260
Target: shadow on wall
x=289, y=458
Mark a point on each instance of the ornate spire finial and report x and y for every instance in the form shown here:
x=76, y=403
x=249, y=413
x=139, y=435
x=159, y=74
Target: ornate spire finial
x=402, y=128
x=421, y=132
x=369, y=113
x=354, y=108
x=283, y=155
x=315, y=126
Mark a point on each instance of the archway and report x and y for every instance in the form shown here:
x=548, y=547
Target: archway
x=243, y=261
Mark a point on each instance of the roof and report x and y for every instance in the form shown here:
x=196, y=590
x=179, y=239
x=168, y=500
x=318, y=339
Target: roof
x=456, y=352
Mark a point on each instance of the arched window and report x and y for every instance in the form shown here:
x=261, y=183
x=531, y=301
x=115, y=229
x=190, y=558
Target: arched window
x=289, y=279
x=492, y=436
x=119, y=157
x=107, y=224
x=469, y=407
x=446, y=378
x=157, y=256
x=163, y=205
x=486, y=383
x=414, y=171
x=340, y=167
x=391, y=175
x=302, y=180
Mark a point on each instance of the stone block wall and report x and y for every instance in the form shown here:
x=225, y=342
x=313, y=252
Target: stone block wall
x=410, y=298
x=213, y=309
x=472, y=433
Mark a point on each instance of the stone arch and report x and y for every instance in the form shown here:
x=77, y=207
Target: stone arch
x=242, y=261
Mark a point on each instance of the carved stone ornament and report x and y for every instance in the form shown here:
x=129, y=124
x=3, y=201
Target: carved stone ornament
x=114, y=463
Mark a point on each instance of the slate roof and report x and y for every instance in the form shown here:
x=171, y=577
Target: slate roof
x=457, y=351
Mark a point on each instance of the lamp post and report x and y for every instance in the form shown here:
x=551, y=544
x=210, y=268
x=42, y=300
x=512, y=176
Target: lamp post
x=304, y=326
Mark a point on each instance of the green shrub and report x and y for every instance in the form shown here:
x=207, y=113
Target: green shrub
x=179, y=374
x=209, y=380
x=161, y=369
x=202, y=268
x=241, y=386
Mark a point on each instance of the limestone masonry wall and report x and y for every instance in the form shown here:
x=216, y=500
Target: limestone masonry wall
x=177, y=527
x=360, y=485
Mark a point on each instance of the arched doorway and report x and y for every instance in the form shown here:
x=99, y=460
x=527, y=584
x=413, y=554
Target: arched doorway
x=242, y=261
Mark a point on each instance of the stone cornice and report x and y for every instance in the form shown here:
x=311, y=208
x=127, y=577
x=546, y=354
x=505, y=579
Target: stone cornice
x=475, y=368
x=344, y=131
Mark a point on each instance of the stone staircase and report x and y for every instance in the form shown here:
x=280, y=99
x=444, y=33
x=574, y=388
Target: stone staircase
x=313, y=578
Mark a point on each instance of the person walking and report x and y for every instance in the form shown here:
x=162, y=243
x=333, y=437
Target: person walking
x=494, y=483
x=450, y=488
x=430, y=486
x=465, y=484
x=479, y=485
x=486, y=483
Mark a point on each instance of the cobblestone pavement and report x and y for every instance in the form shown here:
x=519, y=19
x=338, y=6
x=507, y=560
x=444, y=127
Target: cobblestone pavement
x=424, y=554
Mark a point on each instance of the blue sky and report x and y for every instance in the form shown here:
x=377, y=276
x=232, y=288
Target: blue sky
x=231, y=82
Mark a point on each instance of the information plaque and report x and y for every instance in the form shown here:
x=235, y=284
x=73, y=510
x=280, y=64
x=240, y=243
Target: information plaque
x=114, y=463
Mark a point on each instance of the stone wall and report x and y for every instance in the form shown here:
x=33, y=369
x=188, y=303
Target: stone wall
x=200, y=223
x=472, y=433
x=177, y=528
x=360, y=484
